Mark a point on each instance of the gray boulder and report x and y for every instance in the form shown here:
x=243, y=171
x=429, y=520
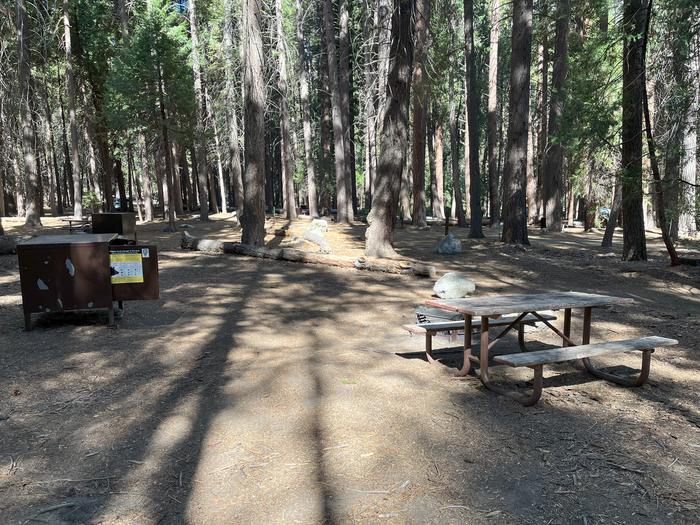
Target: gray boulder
x=454, y=285
x=316, y=233
x=449, y=244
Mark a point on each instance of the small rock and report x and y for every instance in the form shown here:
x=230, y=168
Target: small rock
x=454, y=285
x=449, y=244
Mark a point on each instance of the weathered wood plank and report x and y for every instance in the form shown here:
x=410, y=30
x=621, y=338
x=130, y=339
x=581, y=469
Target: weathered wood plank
x=421, y=328
x=518, y=303
x=560, y=355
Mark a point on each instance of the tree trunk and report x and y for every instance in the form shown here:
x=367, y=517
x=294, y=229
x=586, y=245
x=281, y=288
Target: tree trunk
x=554, y=155
x=420, y=100
x=492, y=115
x=169, y=176
x=634, y=240
x=394, y=136
x=236, y=173
x=30, y=165
x=661, y=208
x=475, y=227
x=253, y=219
x=385, y=9
x=54, y=159
x=370, y=93
x=439, y=191
x=342, y=196
x=177, y=177
x=345, y=88
x=613, y=216
x=72, y=104
x=285, y=131
x=542, y=106
x=303, y=65
x=202, y=170
x=515, y=168
x=217, y=149
x=67, y=167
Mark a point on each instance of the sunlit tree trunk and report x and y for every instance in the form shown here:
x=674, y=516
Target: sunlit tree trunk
x=345, y=88
x=394, y=135
x=492, y=115
x=303, y=66
x=253, y=220
x=457, y=206
x=554, y=155
x=515, y=168
x=368, y=33
x=420, y=101
x=202, y=171
x=28, y=133
x=342, y=197
x=285, y=128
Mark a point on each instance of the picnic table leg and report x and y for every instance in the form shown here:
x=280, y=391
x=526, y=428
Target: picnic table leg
x=635, y=381
x=429, y=346
x=467, y=364
x=567, y=326
x=484, y=351
x=525, y=399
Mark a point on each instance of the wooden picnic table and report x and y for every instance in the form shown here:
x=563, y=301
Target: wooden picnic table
x=533, y=304
x=80, y=221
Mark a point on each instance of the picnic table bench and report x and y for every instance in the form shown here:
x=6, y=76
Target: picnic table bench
x=479, y=314
x=432, y=329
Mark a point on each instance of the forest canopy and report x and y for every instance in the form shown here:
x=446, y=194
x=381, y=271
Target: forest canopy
x=490, y=113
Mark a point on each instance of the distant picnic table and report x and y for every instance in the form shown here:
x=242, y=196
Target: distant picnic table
x=530, y=307
x=75, y=223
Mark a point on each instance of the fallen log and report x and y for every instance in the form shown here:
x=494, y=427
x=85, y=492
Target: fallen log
x=189, y=242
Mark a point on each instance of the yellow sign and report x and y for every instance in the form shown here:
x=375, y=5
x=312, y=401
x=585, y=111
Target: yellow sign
x=126, y=268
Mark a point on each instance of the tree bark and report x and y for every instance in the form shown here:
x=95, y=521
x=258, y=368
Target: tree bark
x=554, y=155
x=394, y=136
x=342, y=196
x=475, y=226
x=634, y=239
x=370, y=92
x=303, y=65
x=217, y=149
x=542, y=107
x=232, y=116
x=169, y=176
x=345, y=87
x=285, y=132
x=515, y=168
x=420, y=100
x=202, y=171
x=492, y=115
x=253, y=219
x=27, y=129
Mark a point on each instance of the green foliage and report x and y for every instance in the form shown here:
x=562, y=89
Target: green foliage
x=154, y=59
x=91, y=202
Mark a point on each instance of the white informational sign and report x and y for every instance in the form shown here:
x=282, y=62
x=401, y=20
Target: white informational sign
x=126, y=267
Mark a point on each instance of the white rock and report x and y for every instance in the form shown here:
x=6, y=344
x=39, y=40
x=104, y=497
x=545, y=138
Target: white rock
x=454, y=285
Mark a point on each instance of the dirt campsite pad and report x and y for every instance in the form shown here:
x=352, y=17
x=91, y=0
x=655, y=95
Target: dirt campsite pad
x=258, y=391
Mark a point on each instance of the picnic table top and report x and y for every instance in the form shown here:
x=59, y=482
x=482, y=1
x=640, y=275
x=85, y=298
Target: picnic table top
x=528, y=302
x=87, y=238
x=71, y=220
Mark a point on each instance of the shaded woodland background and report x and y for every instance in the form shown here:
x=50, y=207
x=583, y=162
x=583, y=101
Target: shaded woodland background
x=488, y=112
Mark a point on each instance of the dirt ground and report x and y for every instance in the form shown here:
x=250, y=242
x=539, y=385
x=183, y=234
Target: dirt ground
x=258, y=391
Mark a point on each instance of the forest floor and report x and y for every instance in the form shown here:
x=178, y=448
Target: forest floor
x=259, y=391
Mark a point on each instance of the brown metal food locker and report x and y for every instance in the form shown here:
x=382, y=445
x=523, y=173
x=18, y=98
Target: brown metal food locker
x=61, y=273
